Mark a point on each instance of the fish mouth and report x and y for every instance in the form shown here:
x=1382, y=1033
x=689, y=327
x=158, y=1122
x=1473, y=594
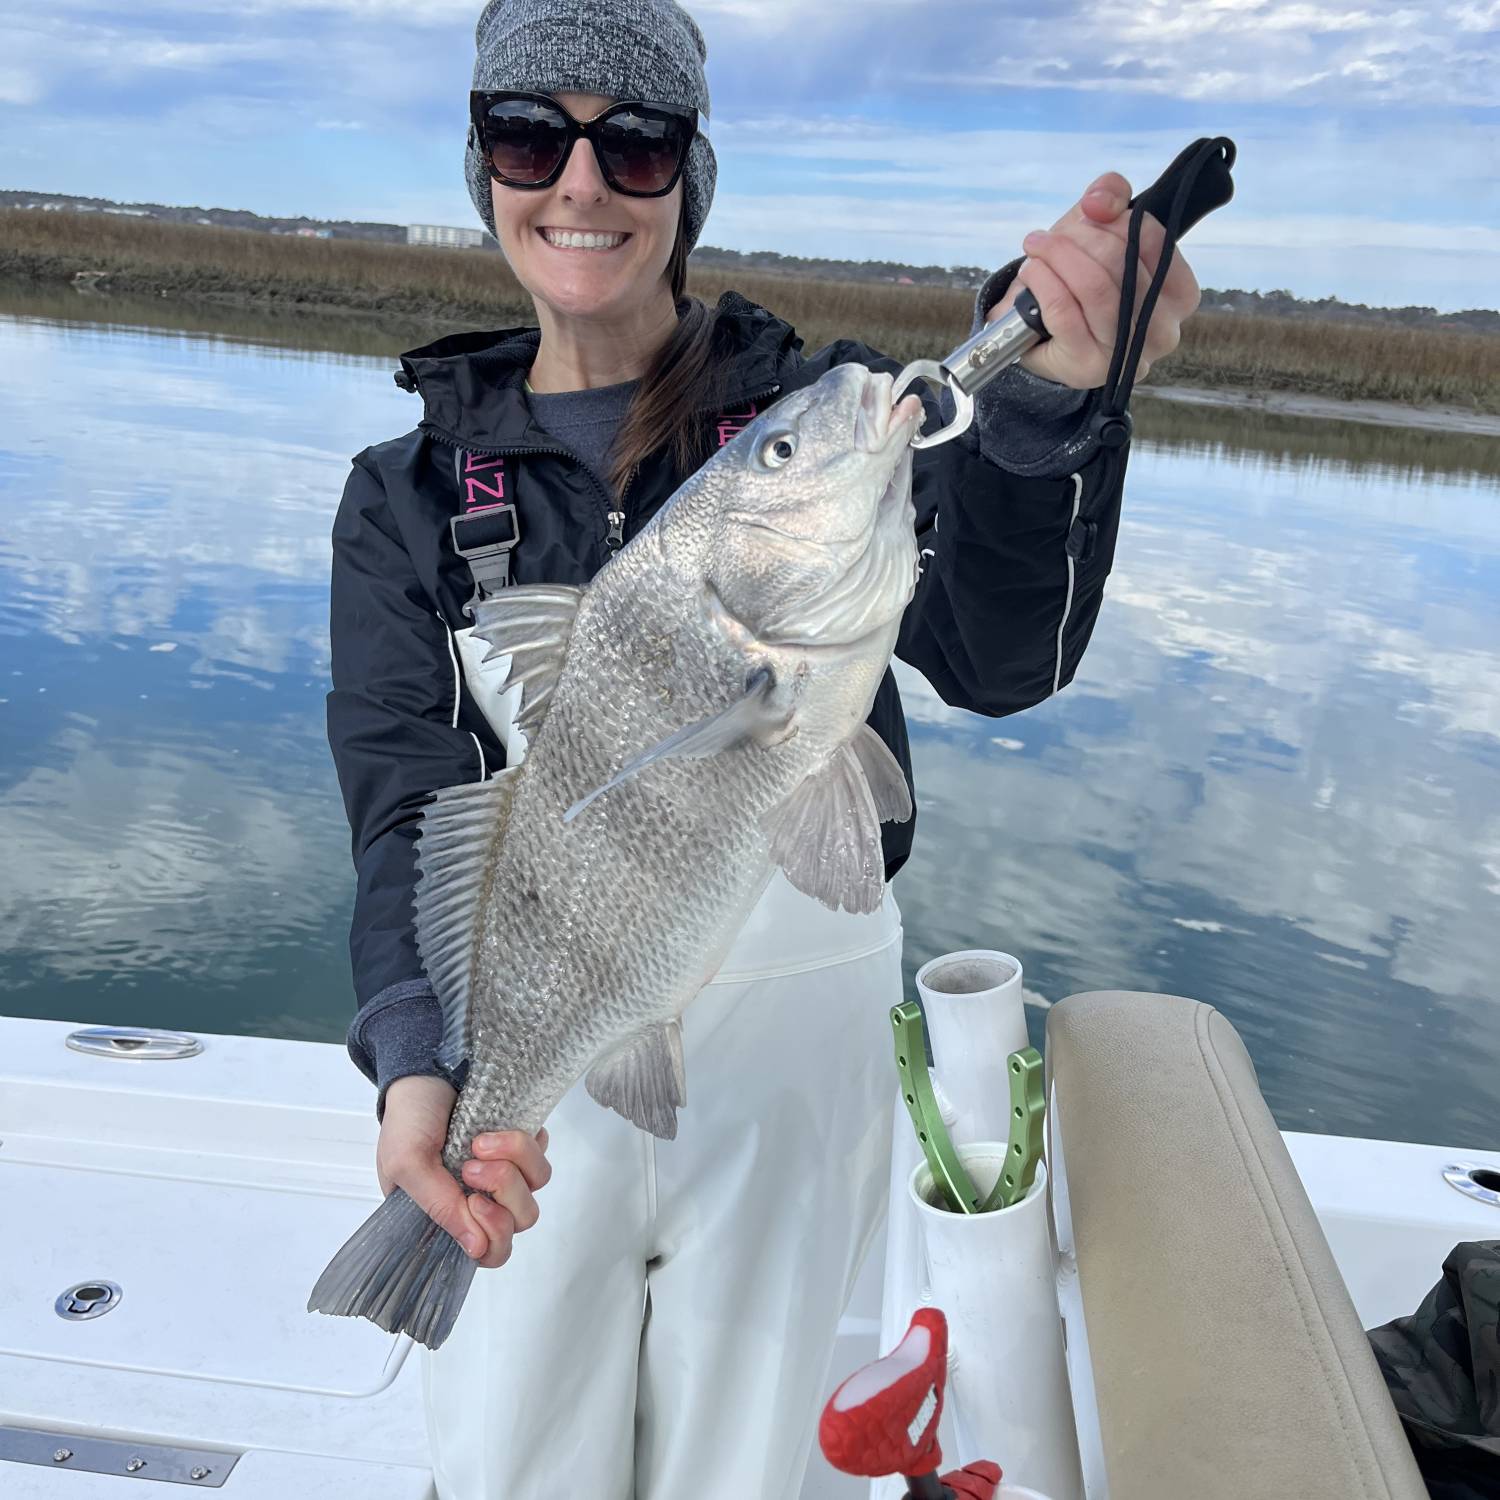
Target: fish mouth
x=877, y=424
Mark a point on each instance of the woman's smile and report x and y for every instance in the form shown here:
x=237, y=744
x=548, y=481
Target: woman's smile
x=582, y=241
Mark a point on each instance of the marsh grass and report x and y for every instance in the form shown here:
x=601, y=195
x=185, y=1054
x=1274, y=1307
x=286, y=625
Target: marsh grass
x=442, y=289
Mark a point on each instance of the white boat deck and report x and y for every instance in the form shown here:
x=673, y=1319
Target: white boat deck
x=212, y=1190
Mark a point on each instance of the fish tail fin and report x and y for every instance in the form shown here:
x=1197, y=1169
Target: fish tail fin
x=399, y=1269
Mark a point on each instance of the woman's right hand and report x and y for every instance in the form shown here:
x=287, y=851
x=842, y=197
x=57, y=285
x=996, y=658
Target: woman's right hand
x=506, y=1168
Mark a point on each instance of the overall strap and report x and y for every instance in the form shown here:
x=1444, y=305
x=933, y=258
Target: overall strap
x=485, y=530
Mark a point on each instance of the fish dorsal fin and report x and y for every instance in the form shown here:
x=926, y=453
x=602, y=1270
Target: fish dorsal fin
x=531, y=623
x=883, y=771
x=826, y=836
x=644, y=1080
x=458, y=829
x=756, y=715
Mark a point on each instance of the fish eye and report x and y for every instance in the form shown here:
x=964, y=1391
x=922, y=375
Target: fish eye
x=777, y=450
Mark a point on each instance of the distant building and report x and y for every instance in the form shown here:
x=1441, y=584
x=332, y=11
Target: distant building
x=314, y=234
x=445, y=236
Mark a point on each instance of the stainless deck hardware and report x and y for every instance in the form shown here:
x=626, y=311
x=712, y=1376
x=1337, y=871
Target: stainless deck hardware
x=1475, y=1180
x=88, y=1299
x=148, y=1463
x=133, y=1041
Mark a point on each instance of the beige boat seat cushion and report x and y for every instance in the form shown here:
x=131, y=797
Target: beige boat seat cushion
x=1228, y=1359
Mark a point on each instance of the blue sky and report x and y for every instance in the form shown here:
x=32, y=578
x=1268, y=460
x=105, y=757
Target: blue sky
x=891, y=129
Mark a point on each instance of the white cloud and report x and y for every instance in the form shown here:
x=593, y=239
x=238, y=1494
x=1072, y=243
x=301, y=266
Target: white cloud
x=1303, y=215
x=166, y=52
x=779, y=15
x=810, y=162
x=1240, y=50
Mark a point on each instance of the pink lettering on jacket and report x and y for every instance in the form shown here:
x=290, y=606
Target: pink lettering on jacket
x=479, y=494
x=732, y=423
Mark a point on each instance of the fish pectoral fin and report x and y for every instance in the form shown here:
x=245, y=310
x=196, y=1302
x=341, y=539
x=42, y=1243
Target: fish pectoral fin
x=455, y=834
x=886, y=778
x=826, y=836
x=531, y=623
x=755, y=716
x=644, y=1080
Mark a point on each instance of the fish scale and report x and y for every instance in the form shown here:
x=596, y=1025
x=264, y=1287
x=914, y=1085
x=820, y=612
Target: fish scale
x=556, y=983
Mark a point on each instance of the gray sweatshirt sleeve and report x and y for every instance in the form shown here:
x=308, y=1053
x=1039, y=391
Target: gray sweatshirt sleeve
x=397, y=1033
x=1026, y=424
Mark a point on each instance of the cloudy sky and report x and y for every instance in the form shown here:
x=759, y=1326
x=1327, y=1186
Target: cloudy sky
x=890, y=129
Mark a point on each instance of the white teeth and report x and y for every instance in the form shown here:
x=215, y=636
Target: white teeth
x=575, y=241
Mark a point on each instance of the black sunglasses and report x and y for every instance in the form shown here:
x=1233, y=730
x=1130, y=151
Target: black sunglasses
x=526, y=139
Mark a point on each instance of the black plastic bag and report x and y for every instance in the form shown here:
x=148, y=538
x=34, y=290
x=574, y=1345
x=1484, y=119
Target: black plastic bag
x=1442, y=1366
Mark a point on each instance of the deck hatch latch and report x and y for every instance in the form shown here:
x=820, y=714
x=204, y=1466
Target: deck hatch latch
x=88, y=1299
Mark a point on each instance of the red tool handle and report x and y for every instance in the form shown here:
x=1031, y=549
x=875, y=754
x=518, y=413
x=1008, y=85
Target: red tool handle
x=884, y=1419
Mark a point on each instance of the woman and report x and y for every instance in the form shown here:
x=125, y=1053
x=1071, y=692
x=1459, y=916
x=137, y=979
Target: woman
x=671, y=1333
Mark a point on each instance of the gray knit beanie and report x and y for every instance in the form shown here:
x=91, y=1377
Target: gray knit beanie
x=622, y=49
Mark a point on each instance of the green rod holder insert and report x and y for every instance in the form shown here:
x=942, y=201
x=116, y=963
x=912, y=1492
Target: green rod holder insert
x=1028, y=1113
x=948, y=1173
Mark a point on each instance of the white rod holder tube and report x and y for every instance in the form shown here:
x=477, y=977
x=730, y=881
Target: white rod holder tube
x=993, y=1277
x=976, y=1018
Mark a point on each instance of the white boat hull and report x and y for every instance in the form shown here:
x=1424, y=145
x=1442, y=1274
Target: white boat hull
x=210, y=1188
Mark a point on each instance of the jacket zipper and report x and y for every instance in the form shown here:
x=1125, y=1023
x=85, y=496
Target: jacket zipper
x=1068, y=553
x=614, y=519
x=615, y=539
x=617, y=518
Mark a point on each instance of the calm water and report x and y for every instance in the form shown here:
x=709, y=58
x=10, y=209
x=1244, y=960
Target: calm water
x=1275, y=784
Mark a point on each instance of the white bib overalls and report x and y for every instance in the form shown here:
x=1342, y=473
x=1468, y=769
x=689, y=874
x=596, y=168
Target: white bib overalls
x=665, y=1331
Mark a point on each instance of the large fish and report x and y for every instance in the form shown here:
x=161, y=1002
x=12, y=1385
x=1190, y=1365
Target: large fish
x=695, y=718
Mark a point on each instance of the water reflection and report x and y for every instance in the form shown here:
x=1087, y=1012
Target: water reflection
x=1322, y=445
x=176, y=851
x=1272, y=786
x=296, y=328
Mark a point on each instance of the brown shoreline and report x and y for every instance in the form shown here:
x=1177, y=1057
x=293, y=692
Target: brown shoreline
x=379, y=299
x=1292, y=403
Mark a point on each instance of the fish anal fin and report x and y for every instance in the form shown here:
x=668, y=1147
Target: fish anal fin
x=644, y=1080
x=455, y=834
x=826, y=837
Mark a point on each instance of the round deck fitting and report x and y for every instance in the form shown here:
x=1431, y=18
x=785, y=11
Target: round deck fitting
x=88, y=1299
x=1475, y=1180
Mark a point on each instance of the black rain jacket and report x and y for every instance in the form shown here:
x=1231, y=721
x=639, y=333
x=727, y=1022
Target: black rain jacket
x=1013, y=575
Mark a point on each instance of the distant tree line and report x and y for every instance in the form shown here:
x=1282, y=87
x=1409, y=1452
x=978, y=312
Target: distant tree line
x=1283, y=304
x=1278, y=304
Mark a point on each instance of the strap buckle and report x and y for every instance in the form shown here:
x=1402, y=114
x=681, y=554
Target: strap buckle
x=484, y=539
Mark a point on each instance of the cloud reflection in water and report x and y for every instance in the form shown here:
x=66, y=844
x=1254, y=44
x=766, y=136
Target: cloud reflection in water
x=1271, y=786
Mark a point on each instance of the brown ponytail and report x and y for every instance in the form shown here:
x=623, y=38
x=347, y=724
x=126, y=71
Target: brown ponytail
x=688, y=373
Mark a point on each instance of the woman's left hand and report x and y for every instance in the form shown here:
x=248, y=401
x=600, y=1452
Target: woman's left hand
x=1074, y=273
